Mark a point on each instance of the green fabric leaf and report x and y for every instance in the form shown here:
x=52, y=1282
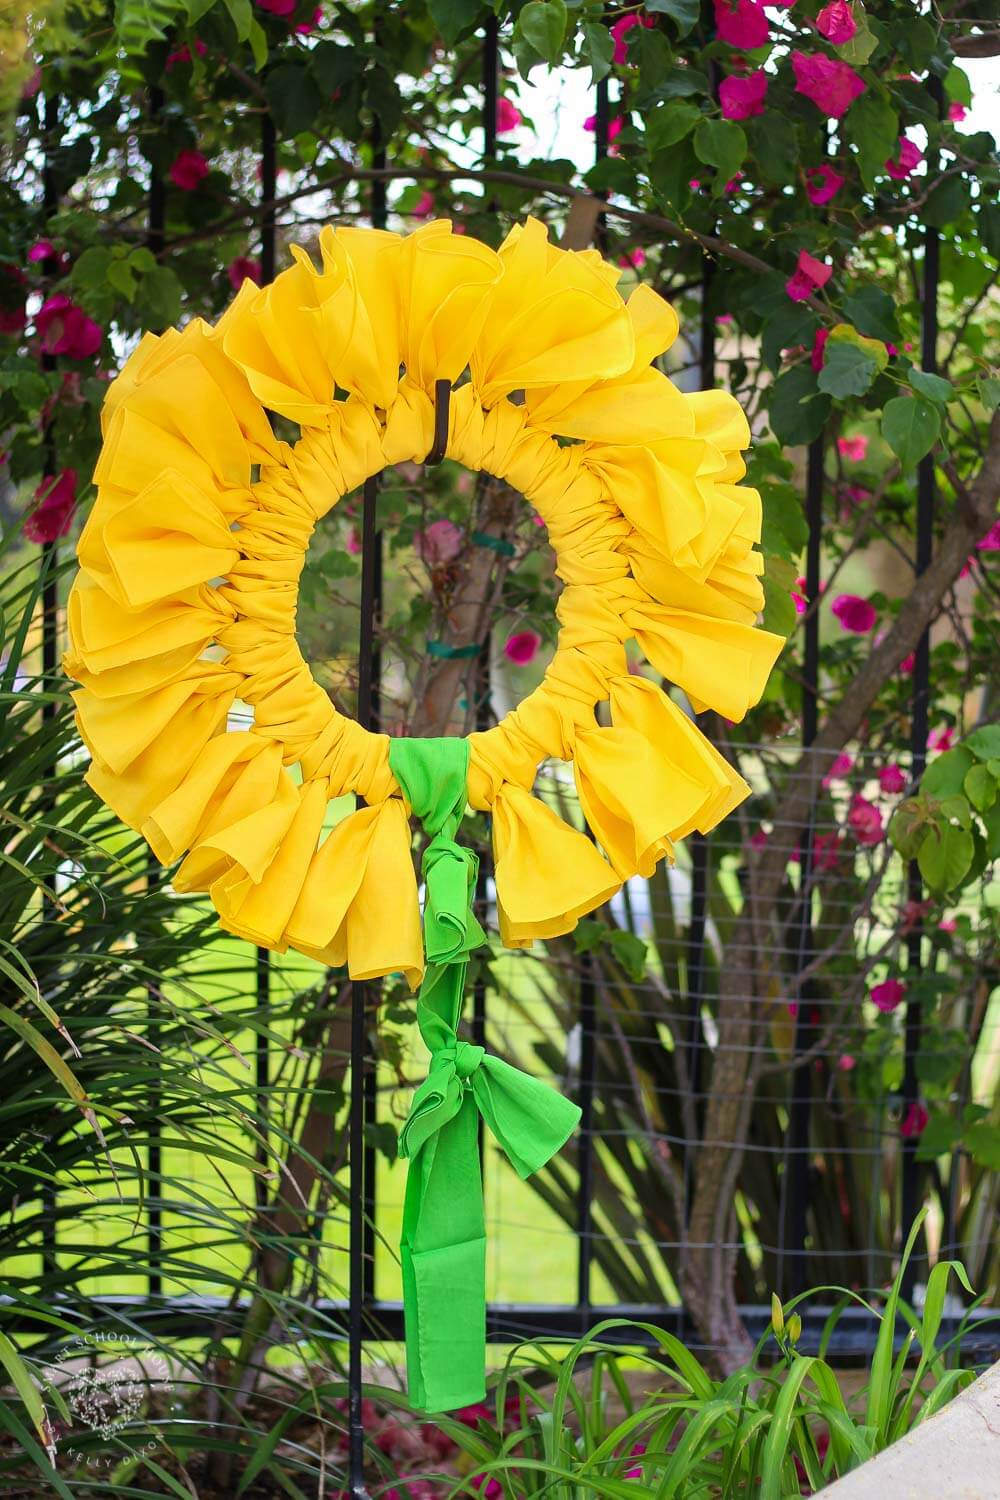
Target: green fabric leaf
x=910, y=425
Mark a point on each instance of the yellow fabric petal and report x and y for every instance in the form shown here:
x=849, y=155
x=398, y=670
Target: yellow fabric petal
x=260, y=914
x=554, y=317
x=234, y=775
x=340, y=914
x=273, y=335
x=446, y=289
x=170, y=538
x=548, y=875
x=721, y=664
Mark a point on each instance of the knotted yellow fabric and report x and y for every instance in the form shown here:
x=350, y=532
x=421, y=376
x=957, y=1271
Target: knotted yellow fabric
x=183, y=613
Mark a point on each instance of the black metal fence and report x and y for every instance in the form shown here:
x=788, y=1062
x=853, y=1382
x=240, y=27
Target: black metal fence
x=366, y=1315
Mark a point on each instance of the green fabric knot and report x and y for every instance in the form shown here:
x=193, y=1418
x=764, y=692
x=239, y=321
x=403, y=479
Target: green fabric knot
x=443, y=1247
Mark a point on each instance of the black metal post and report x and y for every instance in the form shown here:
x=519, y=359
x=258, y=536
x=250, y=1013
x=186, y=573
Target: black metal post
x=156, y=223
x=795, y=1187
x=919, y=726
x=50, y=583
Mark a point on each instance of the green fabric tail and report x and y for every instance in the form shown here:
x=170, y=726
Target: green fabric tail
x=443, y=1248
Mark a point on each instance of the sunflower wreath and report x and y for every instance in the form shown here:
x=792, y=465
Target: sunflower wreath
x=185, y=604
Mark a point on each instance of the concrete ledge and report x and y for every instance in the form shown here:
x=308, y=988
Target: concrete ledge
x=955, y=1455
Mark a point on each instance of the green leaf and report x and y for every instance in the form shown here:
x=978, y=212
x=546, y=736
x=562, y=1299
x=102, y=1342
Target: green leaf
x=938, y=1136
x=791, y=325
x=670, y=123
x=779, y=611
x=669, y=174
x=159, y=299
x=988, y=225
x=598, y=49
x=945, y=777
x=945, y=856
x=784, y=530
x=946, y=203
x=848, y=370
x=631, y=953
x=258, y=44
x=294, y=98
x=333, y=65
x=984, y=742
x=611, y=174
x=980, y=788
x=873, y=126
x=122, y=278
x=983, y=1142
x=542, y=23
x=797, y=408
x=241, y=15
x=873, y=312
x=908, y=826
x=989, y=392
x=934, y=387
x=859, y=49
x=142, y=260
x=452, y=16
x=774, y=147
x=721, y=144
x=684, y=13
x=910, y=425
x=91, y=268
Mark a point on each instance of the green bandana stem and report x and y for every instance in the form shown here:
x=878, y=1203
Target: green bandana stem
x=443, y=1249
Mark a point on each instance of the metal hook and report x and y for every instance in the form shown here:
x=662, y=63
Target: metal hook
x=442, y=410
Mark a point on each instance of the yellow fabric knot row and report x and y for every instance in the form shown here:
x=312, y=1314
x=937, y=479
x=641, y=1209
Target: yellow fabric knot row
x=185, y=602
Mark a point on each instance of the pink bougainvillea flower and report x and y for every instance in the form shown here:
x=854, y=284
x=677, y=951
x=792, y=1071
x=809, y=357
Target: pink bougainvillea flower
x=799, y=599
x=759, y=838
x=827, y=81
x=957, y=113
x=942, y=738
x=845, y=1062
x=187, y=169
x=826, y=851
x=13, y=313
x=809, y=275
x=522, y=648
x=823, y=184
x=892, y=778
x=41, y=250
x=637, y=1450
x=243, y=268
x=908, y=155
x=65, y=328
x=733, y=183
x=908, y=663
x=55, y=502
x=488, y=1487
x=723, y=317
x=620, y=30
x=836, y=22
x=508, y=116
x=991, y=541
x=947, y=924
x=614, y=126
x=352, y=541
x=304, y=28
x=633, y=260
x=440, y=543
x=914, y=1122
x=742, y=23
x=742, y=98
x=865, y=821
x=277, y=7
x=842, y=767
x=887, y=995
x=854, y=449
x=183, y=54
x=424, y=206
x=854, y=613
x=818, y=354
